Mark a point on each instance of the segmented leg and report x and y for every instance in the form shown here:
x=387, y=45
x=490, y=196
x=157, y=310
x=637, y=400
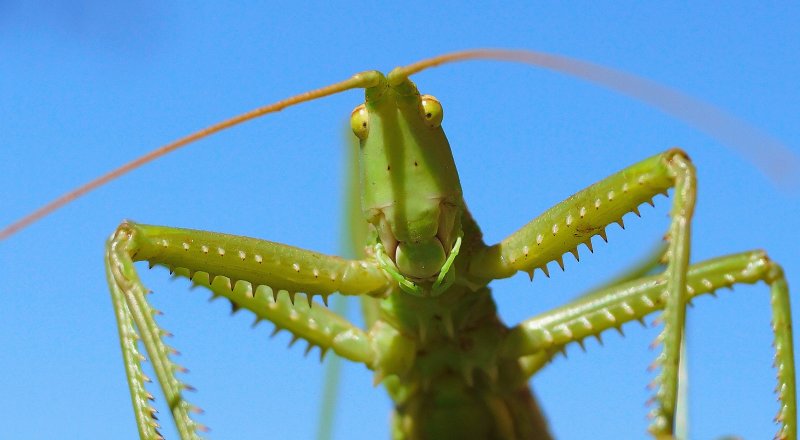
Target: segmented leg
x=674, y=317
x=128, y=296
x=145, y=414
x=250, y=273
x=537, y=339
x=587, y=213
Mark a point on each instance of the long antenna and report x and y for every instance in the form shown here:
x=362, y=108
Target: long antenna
x=770, y=155
x=356, y=81
x=767, y=153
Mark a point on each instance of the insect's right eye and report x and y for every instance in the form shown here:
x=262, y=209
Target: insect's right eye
x=359, y=121
x=431, y=111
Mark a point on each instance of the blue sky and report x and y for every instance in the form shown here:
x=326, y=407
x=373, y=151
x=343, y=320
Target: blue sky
x=85, y=87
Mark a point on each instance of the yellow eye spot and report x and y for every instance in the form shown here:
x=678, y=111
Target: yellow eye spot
x=432, y=111
x=359, y=121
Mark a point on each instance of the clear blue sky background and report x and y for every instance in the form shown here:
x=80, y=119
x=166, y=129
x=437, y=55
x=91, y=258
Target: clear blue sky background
x=86, y=86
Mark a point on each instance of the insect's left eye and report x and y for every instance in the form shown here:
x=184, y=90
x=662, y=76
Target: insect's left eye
x=359, y=121
x=432, y=111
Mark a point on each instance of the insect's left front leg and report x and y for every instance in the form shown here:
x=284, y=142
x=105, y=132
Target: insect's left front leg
x=247, y=271
x=587, y=213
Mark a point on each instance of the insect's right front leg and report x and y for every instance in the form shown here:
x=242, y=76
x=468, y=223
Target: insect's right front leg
x=247, y=271
x=587, y=213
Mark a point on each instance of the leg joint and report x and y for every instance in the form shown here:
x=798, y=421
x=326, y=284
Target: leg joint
x=760, y=267
x=774, y=270
x=683, y=173
x=680, y=164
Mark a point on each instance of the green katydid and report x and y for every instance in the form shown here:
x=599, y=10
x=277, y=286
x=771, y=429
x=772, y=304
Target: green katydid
x=450, y=365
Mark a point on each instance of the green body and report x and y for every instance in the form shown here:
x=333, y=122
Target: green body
x=410, y=187
x=434, y=340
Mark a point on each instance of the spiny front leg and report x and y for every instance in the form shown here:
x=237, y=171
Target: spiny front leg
x=575, y=220
x=674, y=317
x=315, y=324
x=536, y=340
x=248, y=272
x=131, y=309
x=587, y=213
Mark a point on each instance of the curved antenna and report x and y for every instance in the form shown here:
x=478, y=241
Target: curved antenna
x=770, y=155
x=360, y=80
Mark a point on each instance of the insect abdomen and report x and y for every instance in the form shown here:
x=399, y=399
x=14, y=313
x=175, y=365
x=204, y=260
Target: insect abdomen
x=453, y=409
x=460, y=386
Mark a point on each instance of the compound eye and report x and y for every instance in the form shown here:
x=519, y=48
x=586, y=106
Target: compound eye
x=432, y=111
x=359, y=121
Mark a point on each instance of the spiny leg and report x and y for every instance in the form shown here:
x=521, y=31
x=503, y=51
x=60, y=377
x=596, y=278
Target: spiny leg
x=315, y=324
x=575, y=220
x=536, y=340
x=587, y=213
x=144, y=413
x=674, y=316
x=243, y=263
x=127, y=293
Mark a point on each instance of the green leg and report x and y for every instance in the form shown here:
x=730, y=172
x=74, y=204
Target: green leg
x=674, y=316
x=128, y=296
x=536, y=340
x=575, y=220
x=587, y=213
x=251, y=274
x=144, y=413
